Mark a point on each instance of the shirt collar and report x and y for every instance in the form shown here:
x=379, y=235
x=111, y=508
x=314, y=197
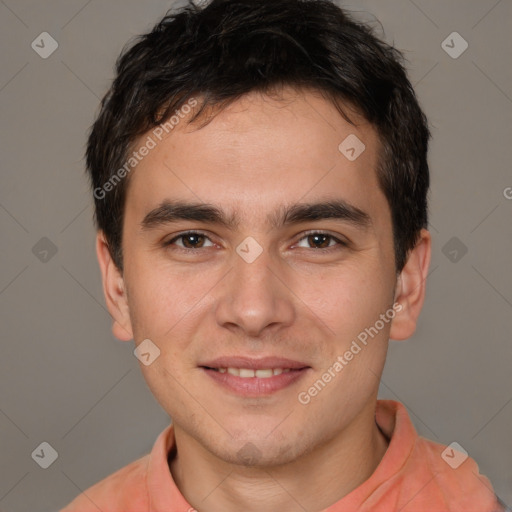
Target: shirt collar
x=391, y=417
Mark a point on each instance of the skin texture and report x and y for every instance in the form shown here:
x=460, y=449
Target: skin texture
x=296, y=300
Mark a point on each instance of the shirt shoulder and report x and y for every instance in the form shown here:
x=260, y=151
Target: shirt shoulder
x=122, y=491
x=453, y=478
x=419, y=475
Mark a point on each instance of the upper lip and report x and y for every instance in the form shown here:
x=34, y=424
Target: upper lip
x=254, y=364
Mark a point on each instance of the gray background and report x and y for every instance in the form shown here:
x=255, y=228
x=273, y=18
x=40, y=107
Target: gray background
x=65, y=380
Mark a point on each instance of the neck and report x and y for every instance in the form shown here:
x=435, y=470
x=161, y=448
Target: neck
x=312, y=482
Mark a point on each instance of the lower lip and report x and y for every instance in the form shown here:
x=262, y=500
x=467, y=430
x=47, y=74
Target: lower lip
x=256, y=386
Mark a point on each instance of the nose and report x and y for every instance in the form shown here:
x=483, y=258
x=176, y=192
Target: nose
x=254, y=297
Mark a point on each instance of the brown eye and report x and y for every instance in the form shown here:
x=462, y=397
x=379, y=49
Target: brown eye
x=318, y=240
x=190, y=240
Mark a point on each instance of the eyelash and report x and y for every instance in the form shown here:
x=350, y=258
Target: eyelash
x=340, y=243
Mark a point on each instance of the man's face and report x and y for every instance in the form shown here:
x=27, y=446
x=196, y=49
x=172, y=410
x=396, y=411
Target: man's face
x=211, y=300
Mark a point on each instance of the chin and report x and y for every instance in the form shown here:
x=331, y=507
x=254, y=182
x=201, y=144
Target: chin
x=258, y=453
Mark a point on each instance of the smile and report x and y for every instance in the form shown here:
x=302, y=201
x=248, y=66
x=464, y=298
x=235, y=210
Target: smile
x=247, y=373
x=248, y=377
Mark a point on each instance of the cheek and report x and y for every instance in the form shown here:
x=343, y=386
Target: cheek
x=348, y=298
x=166, y=300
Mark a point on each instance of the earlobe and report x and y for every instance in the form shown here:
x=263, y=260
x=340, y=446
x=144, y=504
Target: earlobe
x=410, y=288
x=114, y=291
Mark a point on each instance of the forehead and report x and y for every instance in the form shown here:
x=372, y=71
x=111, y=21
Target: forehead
x=260, y=153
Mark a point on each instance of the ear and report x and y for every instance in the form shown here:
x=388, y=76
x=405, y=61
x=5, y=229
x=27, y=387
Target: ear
x=410, y=288
x=114, y=291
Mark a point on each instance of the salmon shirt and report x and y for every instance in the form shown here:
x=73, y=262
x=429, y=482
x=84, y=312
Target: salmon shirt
x=414, y=475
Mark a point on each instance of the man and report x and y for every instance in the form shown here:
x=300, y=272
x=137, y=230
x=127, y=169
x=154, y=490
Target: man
x=260, y=180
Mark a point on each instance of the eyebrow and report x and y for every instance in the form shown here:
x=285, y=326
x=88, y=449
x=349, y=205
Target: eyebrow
x=174, y=211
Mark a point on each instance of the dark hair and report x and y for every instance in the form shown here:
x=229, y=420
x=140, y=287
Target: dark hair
x=228, y=48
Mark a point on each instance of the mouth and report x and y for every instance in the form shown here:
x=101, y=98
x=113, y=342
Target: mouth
x=254, y=377
x=247, y=373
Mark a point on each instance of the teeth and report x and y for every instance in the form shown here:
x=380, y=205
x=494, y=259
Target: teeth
x=249, y=373
x=265, y=374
